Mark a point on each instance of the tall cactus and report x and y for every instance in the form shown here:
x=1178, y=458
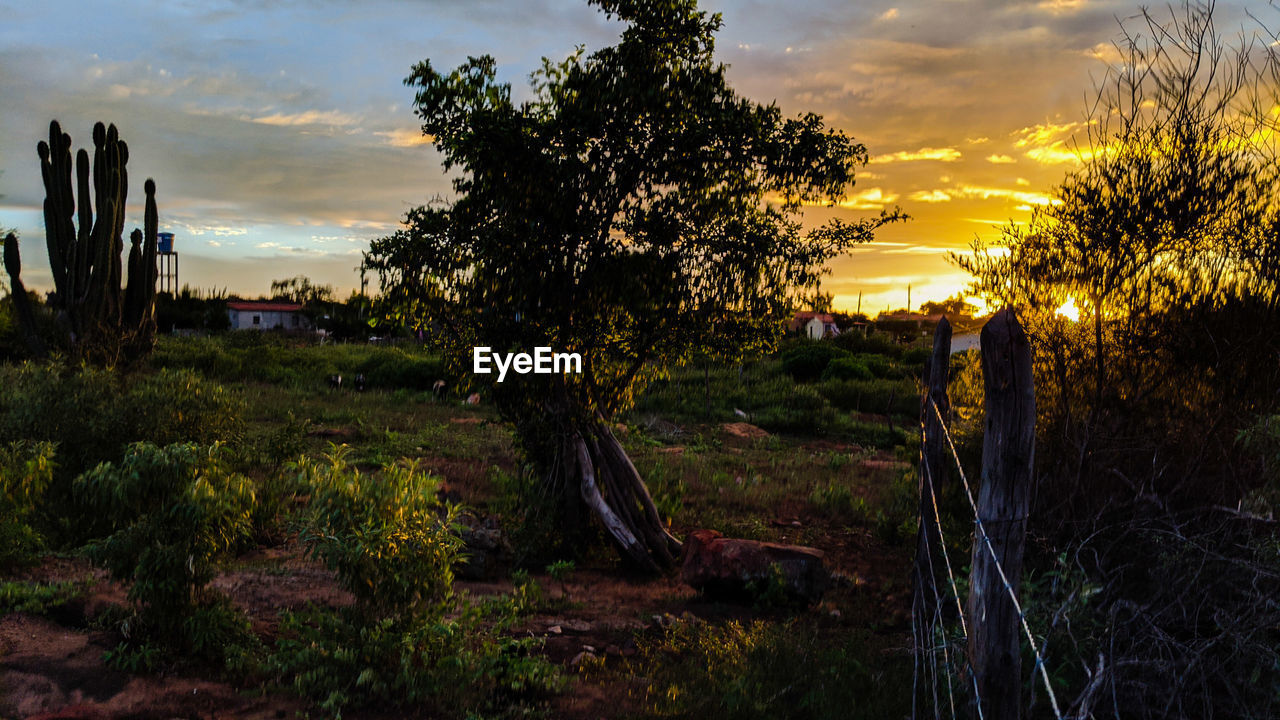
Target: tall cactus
x=102, y=321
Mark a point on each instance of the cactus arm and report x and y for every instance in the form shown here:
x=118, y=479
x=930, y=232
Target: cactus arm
x=79, y=261
x=21, y=303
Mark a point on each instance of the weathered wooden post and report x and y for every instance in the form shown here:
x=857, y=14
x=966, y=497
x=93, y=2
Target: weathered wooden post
x=1008, y=453
x=933, y=470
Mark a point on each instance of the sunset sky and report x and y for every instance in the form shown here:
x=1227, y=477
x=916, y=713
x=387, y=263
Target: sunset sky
x=282, y=140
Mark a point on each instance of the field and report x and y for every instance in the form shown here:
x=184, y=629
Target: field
x=282, y=621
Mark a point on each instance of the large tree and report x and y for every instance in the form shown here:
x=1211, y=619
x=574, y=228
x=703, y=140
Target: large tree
x=635, y=210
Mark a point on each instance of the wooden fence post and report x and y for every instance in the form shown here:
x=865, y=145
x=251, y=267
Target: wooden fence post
x=1008, y=453
x=933, y=474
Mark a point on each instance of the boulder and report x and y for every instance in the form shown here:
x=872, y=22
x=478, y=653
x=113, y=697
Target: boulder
x=486, y=553
x=737, y=570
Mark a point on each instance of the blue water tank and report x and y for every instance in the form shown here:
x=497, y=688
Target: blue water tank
x=165, y=242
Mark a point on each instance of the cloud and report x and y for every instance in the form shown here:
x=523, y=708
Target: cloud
x=926, y=153
x=308, y=117
x=869, y=199
x=990, y=193
x=889, y=14
x=404, y=137
x=1062, y=6
x=1000, y=159
x=930, y=196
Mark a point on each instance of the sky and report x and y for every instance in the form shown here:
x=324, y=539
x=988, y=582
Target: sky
x=282, y=139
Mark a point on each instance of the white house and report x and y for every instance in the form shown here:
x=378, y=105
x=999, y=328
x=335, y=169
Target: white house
x=258, y=315
x=816, y=325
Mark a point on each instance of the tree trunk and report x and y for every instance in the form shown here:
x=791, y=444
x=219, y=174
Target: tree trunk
x=609, y=484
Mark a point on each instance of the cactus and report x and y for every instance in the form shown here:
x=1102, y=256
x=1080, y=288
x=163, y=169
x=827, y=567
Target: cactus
x=102, y=321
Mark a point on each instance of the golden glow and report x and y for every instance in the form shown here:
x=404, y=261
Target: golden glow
x=926, y=153
x=1069, y=310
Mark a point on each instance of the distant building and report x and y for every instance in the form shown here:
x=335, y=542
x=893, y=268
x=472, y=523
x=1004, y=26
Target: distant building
x=258, y=315
x=814, y=324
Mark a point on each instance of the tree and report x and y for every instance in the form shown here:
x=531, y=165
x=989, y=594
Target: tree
x=301, y=290
x=954, y=306
x=1167, y=238
x=636, y=211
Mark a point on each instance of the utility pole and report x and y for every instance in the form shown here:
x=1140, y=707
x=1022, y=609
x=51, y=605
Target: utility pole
x=908, y=297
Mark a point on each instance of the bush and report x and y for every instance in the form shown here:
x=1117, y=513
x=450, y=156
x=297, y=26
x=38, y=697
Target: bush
x=457, y=667
x=393, y=545
x=875, y=343
x=391, y=542
x=806, y=361
x=26, y=469
x=847, y=368
x=92, y=415
x=802, y=410
x=180, y=406
x=767, y=671
x=77, y=408
x=176, y=512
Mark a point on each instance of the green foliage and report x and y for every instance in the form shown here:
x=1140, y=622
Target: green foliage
x=180, y=406
x=764, y=670
x=531, y=518
x=457, y=667
x=176, y=511
x=846, y=368
x=93, y=414
x=299, y=363
x=390, y=540
x=635, y=210
x=839, y=501
x=808, y=360
x=26, y=471
x=38, y=598
x=874, y=343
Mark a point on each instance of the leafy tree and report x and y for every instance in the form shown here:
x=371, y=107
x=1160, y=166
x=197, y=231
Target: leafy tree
x=1167, y=237
x=301, y=290
x=635, y=210
x=953, y=306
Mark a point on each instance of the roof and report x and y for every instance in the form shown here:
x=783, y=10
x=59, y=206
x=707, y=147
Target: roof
x=804, y=317
x=263, y=306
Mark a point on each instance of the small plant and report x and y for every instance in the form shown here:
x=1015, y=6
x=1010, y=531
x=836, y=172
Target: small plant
x=392, y=543
x=39, y=598
x=764, y=670
x=560, y=571
x=177, y=511
x=26, y=470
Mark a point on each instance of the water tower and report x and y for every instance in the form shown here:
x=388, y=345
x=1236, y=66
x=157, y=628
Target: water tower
x=167, y=262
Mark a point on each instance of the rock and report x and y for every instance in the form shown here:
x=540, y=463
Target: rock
x=554, y=630
x=486, y=554
x=741, y=570
x=582, y=657
x=744, y=430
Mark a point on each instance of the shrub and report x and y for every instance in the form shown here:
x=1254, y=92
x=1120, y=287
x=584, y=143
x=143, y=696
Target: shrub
x=806, y=361
x=802, y=410
x=77, y=408
x=391, y=542
x=39, y=598
x=180, y=406
x=877, y=343
x=456, y=667
x=764, y=670
x=176, y=512
x=846, y=368
x=26, y=469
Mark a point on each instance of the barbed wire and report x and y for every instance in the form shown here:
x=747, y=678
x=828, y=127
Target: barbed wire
x=981, y=535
